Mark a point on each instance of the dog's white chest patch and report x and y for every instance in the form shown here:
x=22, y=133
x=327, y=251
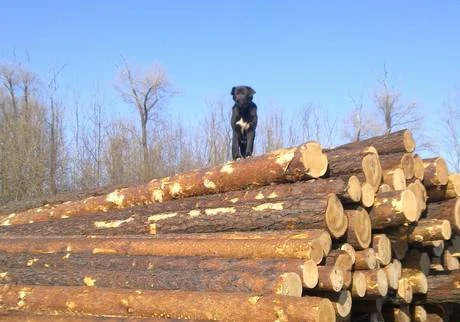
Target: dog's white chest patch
x=243, y=125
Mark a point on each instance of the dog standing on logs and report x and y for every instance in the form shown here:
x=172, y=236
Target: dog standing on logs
x=244, y=121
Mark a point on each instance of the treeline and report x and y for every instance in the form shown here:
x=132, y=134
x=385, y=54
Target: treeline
x=43, y=151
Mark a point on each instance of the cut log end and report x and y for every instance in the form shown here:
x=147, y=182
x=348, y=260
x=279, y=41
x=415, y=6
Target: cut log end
x=442, y=171
x=409, y=206
x=354, y=189
x=326, y=242
x=336, y=221
x=409, y=142
x=419, y=169
x=419, y=314
x=289, y=284
x=359, y=284
x=336, y=279
x=350, y=250
x=407, y=164
x=362, y=228
x=343, y=304
x=395, y=178
x=368, y=195
x=420, y=193
x=372, y=170
x=313, y=159
x=382, y=282
x=309, y=274
x=456, y=221
x=382, y=246
x=326, y=311
x=417, y=279
x=366, y=259
x=385, y=188
x=404, y=290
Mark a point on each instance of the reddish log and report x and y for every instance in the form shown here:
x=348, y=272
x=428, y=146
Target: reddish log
x=394, y=208
x=405, y=161
x=449, y=210
x=395, y=178
x=436, y=172
x=442, y=288
x=359, y=232
x=449, y=191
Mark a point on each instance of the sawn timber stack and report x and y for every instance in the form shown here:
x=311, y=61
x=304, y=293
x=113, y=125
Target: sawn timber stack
x=363, y=231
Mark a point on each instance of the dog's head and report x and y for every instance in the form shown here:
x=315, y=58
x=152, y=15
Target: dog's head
x=242, y=95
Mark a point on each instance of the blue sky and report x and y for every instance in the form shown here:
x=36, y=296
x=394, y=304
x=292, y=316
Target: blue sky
x=291, y=52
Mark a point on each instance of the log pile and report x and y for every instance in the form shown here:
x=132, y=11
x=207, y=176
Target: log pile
x=367, y=231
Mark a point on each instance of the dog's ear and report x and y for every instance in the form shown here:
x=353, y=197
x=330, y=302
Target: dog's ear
x=233, y=91
x=251, y=91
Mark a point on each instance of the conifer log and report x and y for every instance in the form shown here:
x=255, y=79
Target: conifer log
x=382, y=246
x=359, y=233
x=396, y=314
x=442, y=288
x=377, y=283
x=419, y=168
x=420, y=194
x=395, y=178
x=430, y=230
x=394, y=208
x=330, y=278
x=384, y=188
x=233, y=248
x=359, y=284
x=303, y=162
x=316, y=211
x=344, y=262
x=306, y=269
x=367, y=195
x=449, y=261
x=342, y=301
x=400, y=141
x=365, y=259
x=174, y=304
x=255, y=281
x=404, y=161
x=448, y=210
x=417, y=279
x=416, y=259
x=15, y=316
x=418, y=313
x=358, y=161
x=449, y=191
x=404, y=291
x=436, y=172
x=392, y=275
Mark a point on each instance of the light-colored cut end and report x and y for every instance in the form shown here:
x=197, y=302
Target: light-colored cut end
x=419, y=169
x=392, y=276
x=409, y=143
x=382, y=282
x=354, y=189
x=326, y=311
x=456, y=221
x=404, y=290
x=289, y=284
x=409, y=206
x=371, y=259
x=367, y=195
x=309, y=274
x=343, y=304
x=326, y=242
x=382, y=246
x=446, y=230
x=362, y=228
x=384, y=188
x=350, y=250
x=359, y=284
x=372, y=170
x=420, y=193
x=419, y=314
x=399, y=179
x=317, y=253
x=336, y=278
x=407, y=164
x=336, y=221
x=454, y=180
x=442, y=172
x=313, y=159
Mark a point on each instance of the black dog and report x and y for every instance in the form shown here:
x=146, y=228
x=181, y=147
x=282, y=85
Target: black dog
x=244, y=121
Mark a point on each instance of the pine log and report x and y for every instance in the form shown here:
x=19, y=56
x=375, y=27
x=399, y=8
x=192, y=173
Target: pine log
x=344, y=262
x=233, y=248
x=405, y=161
x=449, y=191
x=394, y=208
x=306, y=269
x=442, y=288
x=15, y=316
x=384, y=188
x=396, y=314
x=392, y=275
x=419, y=168
x=365, y=259
x=417, y=279
x=193, y=305
x=400, y=141
x=420, y=194
x=399, y=246
x=433, y=248
x=436, y=172
x=256, y=281
x=359, y=284
x=448, y=209
x=416, y=259
x=363, y=162
x=430, y=230
x=330, y=278
x=349, y=191
x=359, y=231
x=377, y=283
x=398, y=267
x=404, y=291
x=450, y=262
x=316, y=211
x=382, y=246
x=395, y=178
x=349, y=249
x=418, y=313
x=367, y=195
x=303, y=162
x=342, y=301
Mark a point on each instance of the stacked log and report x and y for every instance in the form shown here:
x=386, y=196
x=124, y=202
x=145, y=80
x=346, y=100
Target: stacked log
x=364, y=231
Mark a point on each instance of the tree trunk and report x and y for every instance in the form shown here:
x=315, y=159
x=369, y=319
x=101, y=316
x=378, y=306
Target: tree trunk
x=402, y=160
x=174, y=304
x=436, y=173
x=449, y=191
x=330, y=278
x=430, y=230
x=314, y=212
x=377, y=284
x=382, y=247
x=365, y=259
x=303, y=162
x=358, y=234
x=233, y=248
x=400, y=141
x=448, y=210
x=255, y=281
x=420, y=193
x=14, y=316
x=416, y=279
x=394, y=208
x=442, y=288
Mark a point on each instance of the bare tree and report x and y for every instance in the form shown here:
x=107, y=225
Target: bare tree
x=452, y=133
x=360, y=123
x=147, y=90
x=271, y=131
x=396, y=114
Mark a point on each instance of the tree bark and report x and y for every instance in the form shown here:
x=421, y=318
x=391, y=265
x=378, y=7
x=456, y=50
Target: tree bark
x=417, y=279
x=404, y=161
x=330, y=278
x=303, y=162
x=442, y=288
x=255, y=281
x=400, y=141
x=382, y=247
x=358, y=234
x=449, y=191
x=394, y=208
x=15, y=316
x=430, y=230
x=319, y=211
x=365, y=259
x=448, y=210
x=377, y=284
x=174, y=304
x=233, y=248
x=436, y=173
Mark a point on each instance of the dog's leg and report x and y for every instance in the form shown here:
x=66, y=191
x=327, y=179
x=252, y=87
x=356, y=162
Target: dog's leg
x=236, y=146
x=250, y=135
